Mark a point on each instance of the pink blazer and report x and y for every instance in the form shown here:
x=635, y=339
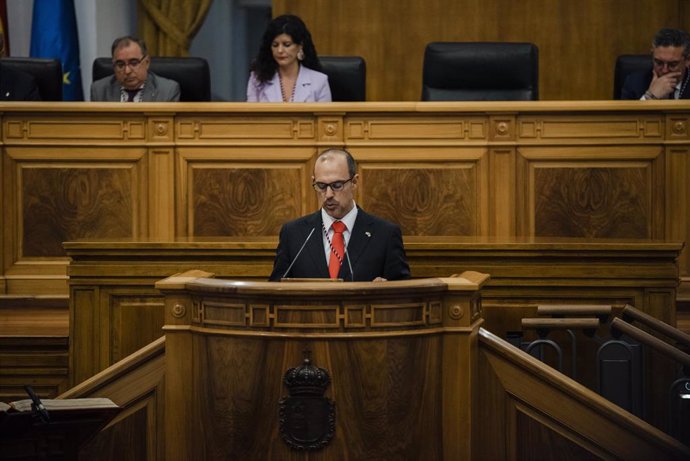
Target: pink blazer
x=311, y=86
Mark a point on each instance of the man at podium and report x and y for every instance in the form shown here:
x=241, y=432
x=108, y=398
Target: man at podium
x=340, y=241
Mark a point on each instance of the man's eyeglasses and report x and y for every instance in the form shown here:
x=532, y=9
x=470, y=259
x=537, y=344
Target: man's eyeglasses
x=672, y=65
x=336, y=186
x=132, y=63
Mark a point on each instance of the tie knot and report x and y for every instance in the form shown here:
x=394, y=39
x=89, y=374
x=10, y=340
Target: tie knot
x=131, y=94
x=338, y=227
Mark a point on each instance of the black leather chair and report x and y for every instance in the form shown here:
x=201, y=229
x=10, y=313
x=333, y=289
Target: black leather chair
x=347, y=77
x=480, y=71
x=627, y=64
x=47, y=72
x=192, y=73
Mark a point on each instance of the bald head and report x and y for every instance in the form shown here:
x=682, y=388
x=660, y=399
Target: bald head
x=330, y=154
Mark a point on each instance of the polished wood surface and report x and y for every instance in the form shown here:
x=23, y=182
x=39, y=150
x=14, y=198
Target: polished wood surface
x=594, y=169
x=545, y=415
x=398, y=355
x=135, y=384
x=578, y=41
x=34, y=346
x=113, y=279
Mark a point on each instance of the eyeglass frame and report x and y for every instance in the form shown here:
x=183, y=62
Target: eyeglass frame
x=336, y=186
x=673, y=66
x=132, y=63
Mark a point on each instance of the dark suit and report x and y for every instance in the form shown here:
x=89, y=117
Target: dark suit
x=637, y=83
x=375, y=249
x=156, y=89
x=18, y=86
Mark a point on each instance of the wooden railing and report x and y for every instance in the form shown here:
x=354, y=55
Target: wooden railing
x=523, y=400
x=135, y=383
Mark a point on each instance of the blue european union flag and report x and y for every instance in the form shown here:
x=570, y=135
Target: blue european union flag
x=54, y=35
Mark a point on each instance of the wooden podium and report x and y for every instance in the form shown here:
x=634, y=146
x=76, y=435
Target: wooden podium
x=401, y=358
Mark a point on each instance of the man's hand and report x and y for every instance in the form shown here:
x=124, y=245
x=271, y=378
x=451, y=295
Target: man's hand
x=662, y=86
x=379, y=279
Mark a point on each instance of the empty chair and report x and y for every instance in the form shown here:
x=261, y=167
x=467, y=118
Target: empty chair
x=47, y=72
x=480, y=71
x=627, y=64
x=192, y=74
x=347, y=77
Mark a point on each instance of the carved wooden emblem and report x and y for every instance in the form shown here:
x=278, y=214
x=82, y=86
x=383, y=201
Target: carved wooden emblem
x=307, y=418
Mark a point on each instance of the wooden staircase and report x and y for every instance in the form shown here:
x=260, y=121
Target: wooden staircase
x=34, y=345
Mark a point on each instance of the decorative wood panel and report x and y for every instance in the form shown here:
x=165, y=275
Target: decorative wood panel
x=595, y=193
x=386, y=379
x=61, y=204
x=245, y=129
x=136, y=321
x=159, y=172
x=592, y=202
x=440, y=128
x=92, y=130
x=424, y=200
x=244, y=201
x=245, y=410
x=605, y=129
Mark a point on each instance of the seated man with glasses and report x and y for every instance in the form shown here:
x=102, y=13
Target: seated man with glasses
x=340, y=240
x=669, y=76
x=132, y=81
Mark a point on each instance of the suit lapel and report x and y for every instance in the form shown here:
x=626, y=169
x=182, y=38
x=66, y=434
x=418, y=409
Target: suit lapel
x=360, y=237
x=315, y=245
x=302, y=85
x=149, y=92
x=272, y=89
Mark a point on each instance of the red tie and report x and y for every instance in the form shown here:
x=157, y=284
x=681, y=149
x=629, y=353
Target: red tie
x=337, y=248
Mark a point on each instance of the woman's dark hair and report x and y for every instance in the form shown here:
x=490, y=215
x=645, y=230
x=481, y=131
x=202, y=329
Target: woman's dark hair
x=264, y=66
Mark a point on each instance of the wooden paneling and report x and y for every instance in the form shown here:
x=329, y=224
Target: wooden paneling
x=529, y=411
x=387, y=376
x=244, y=201
x=115, y=309
x=578, y=41
x=592, y=202
x=135, y=384
x=597, y=170
x=38, y=361
x=424, y=200
x=61, y=204
x=34, y=345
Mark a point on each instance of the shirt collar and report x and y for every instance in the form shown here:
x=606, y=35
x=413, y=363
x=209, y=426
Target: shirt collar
x=348, y=219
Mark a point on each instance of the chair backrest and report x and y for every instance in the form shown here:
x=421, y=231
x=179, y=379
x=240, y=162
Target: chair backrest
x=627, y=64
x=47, y=72
x=347, y=77
x=192, y=73
x=480, y=71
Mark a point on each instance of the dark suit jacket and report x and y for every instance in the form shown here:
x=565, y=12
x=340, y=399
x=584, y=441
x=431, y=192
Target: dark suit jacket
x=375, y=249
x=637, y=83
x=156, y=89
x=18, y=86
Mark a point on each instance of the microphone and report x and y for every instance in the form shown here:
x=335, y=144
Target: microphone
x=298, y=253
x=37, y=406
x=347, y=256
